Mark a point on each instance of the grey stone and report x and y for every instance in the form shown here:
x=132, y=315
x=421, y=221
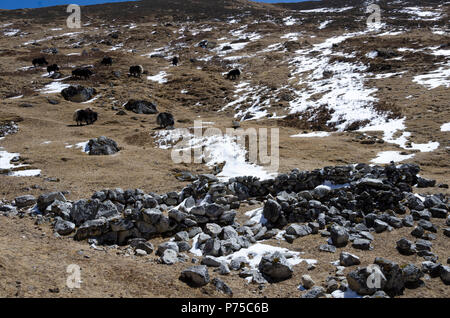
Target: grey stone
x=406, y=247
x=169, y=257
x=359, y=278
x=222, y=286
x=327, y=248
x=445, y=274
x=411, y=274
x=78, y=93
x=182, y=236
x=339, y=236
x=275, y=267
x=272, y=211
x=307, y=282
x=380, y=226
x=211, y=261
x=315, y=292
x=64, y=227
x=298, y=230
x=347, y=259
x=83, y=210
x=91, y=228
x=167, y=246
x=102, y=146
x=238, y=262
x=44, y=200
x=361, y=244
x=196, y=276
x=213, y=229
x=25, y=200
x=141, y=107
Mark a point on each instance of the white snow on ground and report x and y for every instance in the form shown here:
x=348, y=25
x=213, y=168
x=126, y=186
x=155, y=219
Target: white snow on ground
x=82, y=145
x=54, y=87
x=116, y=47
x=16, y=97
x=160, y=77
x=293, y=36
x=11, y=32
x=92, y=99
x=289, y=21
x=422, y=13
x=347, y=294
x=436, y=78
x=217, y=149
x=313, y=134
x=326, y=10
x=386, y=157
x=5, y=163
x=255, y=253
x=324, y=24
x=445, y=127
x=256, y=216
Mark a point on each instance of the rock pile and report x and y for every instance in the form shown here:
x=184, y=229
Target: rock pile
x=78, y=93
x=346, y=204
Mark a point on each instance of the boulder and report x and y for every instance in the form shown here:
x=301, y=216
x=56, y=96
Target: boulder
x=275, y=267
x=272, y=211
x=91, y=229
x=141, y=107
x=367, y=280
x=339, y=236
x=25, y=201
x=169, y=257
x=78, y=93
x=44, y=200
x=64, y=227
x=195, y=276
x=347, y=259
x=102, y=146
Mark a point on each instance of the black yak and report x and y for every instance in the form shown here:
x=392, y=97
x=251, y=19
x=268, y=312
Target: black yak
x=106, y=61
x=87, y=115
x=175, y=61
x=40, y=61
x=82, y=72
x=233, y=74
x=136, y=70
x=52, y=68
x=164, y=120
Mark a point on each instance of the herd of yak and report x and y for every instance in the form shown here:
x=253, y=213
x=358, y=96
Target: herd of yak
x=88, y=115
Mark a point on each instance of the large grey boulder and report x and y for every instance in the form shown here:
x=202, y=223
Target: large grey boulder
x=83, y=210
x=272, y=211
x=64, y=227
x=339, y=236
x=213, y=229
x=411, y=274
x=141, y=107
x=315, y=292
x=25, y=200
x=61, y=209
x=367, y=280
x=78, y=93
x=347, y=259
x=102, y=146
x=395, y=283
x=195, y=276
x=169, y=257
x=275, y=267
x=445, y=274
x=44, y=200
x=406, y=247
x=167, y=246
x=91, y=229
x=298, y=230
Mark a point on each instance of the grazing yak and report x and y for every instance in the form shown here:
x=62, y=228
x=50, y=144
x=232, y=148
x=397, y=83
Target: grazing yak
x=40, y=61
x=87, y=115
x=136, y=70
x=233, y=74
x=82, y=72
x=106, y=61
x=165, y=120
x=175, y=61
x=52, y=68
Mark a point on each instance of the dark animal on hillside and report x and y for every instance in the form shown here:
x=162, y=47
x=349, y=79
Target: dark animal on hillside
x=40, y=61
x=165, y=120
x=87, y=115
x=82, y=72
x=175, y=61
x=106, y=61
x=233, y=74
x=52, y=68
x=136, y=70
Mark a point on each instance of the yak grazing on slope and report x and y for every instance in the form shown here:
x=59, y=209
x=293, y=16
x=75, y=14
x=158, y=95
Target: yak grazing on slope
x=52, y=68
x=82, y=72
x=87, y=115
x=136, y=70
x=106, y=61
x=233, y=74
x=41, y=61
x=165, y=120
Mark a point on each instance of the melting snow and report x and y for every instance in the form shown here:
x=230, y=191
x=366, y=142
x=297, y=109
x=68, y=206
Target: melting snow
x=445, y=127
x=160, y=77
x=436, y=78
x=386, y=157
x=313, y=134
x=54, y=87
